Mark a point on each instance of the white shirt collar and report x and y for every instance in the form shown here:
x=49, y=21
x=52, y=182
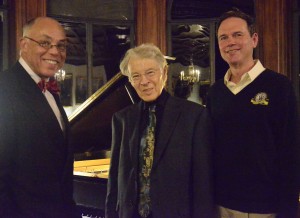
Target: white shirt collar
x=33, y=75
x=257, y=69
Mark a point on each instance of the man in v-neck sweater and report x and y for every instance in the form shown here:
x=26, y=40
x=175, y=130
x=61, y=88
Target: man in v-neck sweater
x=255, y=117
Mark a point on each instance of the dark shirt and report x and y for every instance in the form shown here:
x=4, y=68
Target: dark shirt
x=160, y=105
x=144, y=122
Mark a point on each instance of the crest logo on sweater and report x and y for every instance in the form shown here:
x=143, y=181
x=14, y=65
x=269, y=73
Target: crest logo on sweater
x=260, y=98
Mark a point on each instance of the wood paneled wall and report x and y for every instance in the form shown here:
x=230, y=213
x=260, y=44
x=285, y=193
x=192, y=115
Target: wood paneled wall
x=273, y=18
x=151, y=23
x=274, y=25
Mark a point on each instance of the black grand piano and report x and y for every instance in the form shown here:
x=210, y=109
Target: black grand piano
x=91, y=139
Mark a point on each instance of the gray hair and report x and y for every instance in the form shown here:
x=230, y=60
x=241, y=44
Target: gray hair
x=147, y=50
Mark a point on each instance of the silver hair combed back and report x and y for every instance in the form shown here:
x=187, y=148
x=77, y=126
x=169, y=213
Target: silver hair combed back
x=148, y=51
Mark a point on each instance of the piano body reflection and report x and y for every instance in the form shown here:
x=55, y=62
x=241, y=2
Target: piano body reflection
x=90, y=137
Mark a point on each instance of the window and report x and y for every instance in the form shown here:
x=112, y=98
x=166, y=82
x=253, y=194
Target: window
x=99, y=33
x=192, y=72
x=192, y=42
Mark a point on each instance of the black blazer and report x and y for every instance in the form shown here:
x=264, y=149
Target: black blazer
x=181, y=174
x=36, y=165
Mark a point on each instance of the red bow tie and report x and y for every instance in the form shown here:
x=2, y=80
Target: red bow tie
x=51, y=86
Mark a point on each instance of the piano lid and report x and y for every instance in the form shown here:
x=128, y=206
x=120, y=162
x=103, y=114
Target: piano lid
x=90, y=123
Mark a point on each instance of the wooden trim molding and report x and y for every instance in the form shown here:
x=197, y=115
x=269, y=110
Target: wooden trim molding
x=151, y=23
x=274, y=26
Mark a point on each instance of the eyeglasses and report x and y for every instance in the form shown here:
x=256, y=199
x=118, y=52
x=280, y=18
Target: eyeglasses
x=136, y=77
x=62, y=47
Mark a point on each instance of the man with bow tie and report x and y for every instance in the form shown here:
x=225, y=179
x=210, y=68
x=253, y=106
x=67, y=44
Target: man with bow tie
x=36, y=163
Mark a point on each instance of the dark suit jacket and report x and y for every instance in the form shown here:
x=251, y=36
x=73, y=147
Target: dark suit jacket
x=36, y=164
x=181, y=173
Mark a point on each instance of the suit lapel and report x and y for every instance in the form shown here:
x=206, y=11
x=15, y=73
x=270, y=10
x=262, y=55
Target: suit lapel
x=169, y=122
x=37, y=102
x=61, y=110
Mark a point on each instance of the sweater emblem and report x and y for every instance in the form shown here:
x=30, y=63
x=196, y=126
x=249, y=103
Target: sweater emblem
x=260, y=98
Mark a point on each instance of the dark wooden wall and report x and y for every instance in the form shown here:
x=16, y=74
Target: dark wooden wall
x=151, y=22
x=273, y=18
